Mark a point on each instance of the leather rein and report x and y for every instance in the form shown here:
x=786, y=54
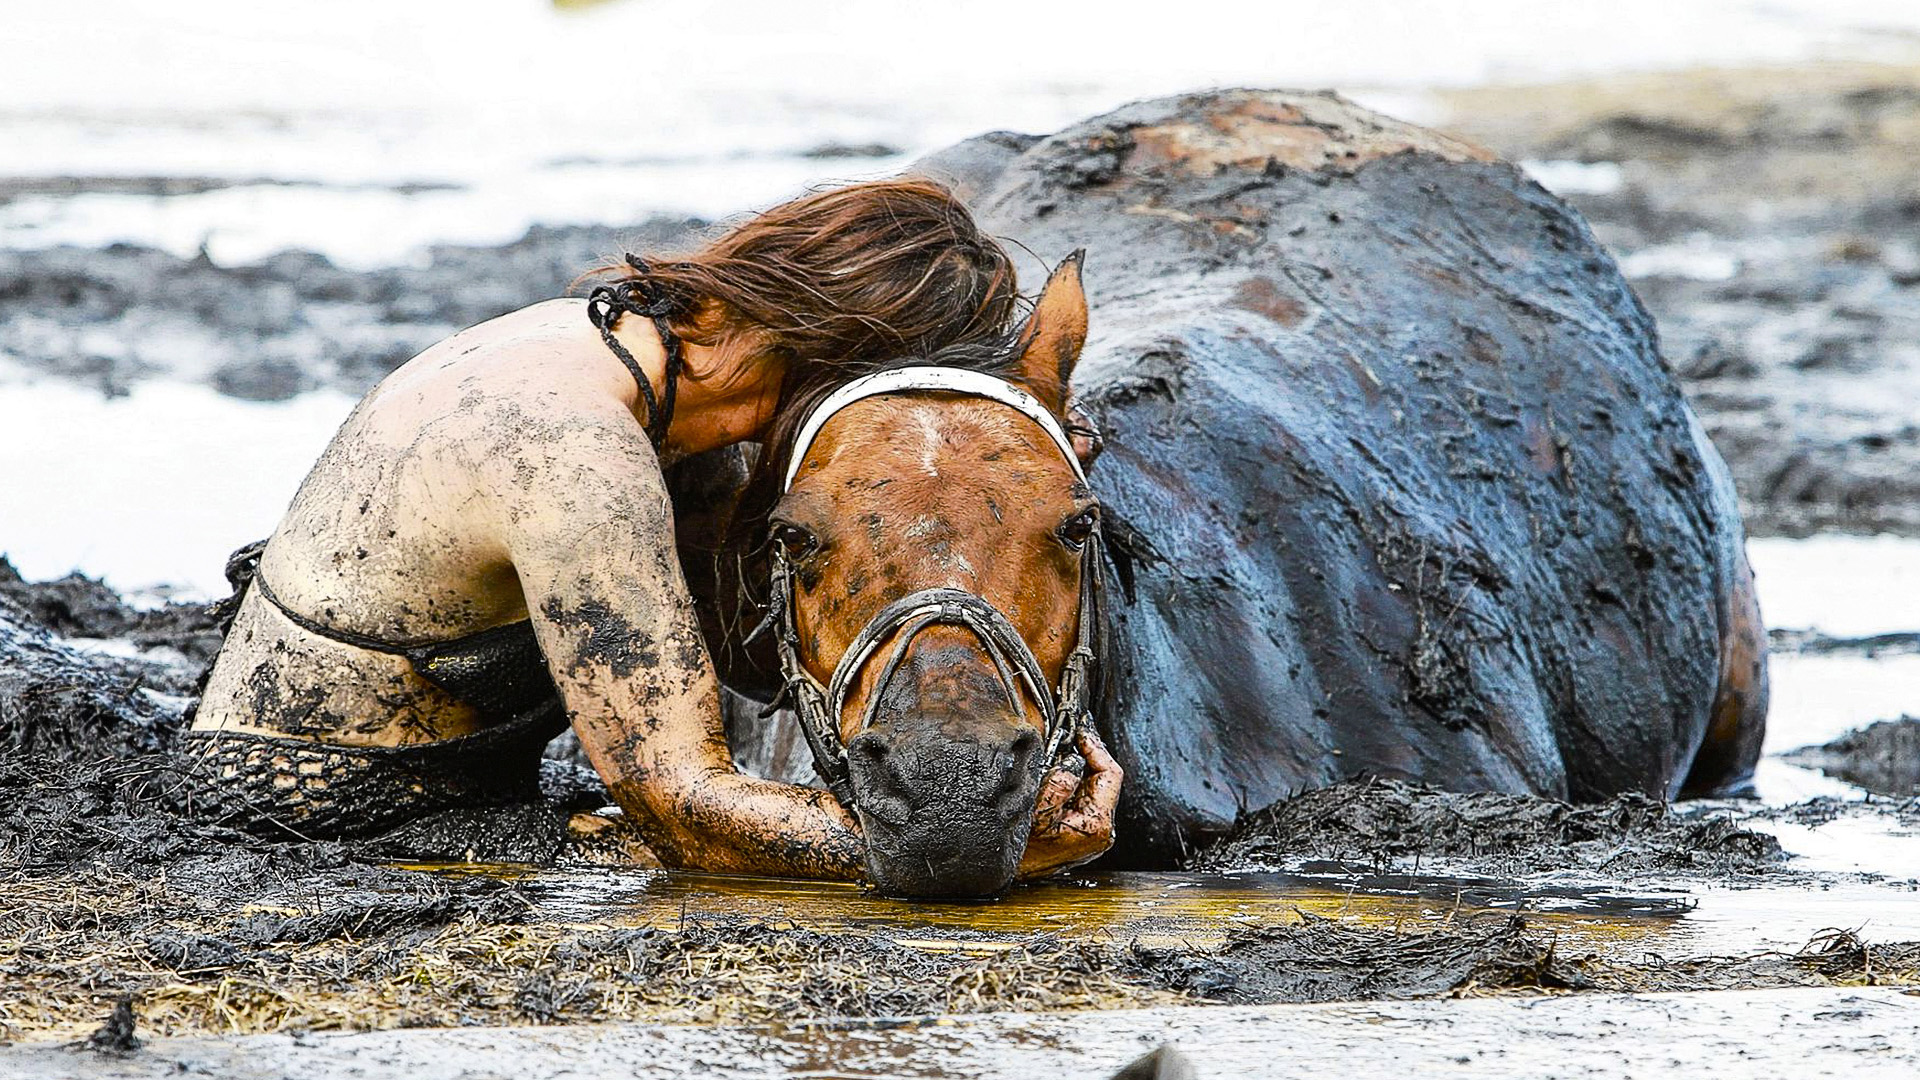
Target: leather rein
x=1065, y=708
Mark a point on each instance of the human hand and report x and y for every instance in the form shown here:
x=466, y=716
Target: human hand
x=1074, y=821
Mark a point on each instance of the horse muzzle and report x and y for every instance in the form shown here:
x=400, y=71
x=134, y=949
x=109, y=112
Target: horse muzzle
x=945, y=780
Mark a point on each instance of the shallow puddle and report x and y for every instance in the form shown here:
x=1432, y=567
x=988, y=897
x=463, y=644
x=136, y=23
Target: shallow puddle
x=1154, y=908
x=1620, y=921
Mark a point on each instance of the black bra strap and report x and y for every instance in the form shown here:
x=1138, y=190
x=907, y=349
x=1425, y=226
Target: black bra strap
x=344, y=637
x=640, y=295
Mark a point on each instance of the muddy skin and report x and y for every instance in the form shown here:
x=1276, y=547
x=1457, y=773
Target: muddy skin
x=498, y=481
x=1883, y=757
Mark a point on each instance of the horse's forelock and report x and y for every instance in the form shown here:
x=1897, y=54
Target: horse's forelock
x=803, y=392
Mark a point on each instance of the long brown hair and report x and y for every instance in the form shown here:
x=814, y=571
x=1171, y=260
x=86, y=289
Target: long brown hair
x=841, y=278
x=829, y=286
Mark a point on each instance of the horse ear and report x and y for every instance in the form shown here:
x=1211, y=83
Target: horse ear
x=1051, y=341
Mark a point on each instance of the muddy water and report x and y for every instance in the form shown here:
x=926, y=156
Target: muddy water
x=1200, y=910
x=1623, y=921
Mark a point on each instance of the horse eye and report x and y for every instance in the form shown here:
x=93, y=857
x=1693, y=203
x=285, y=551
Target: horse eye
x=1074, y=531
x=795, y=539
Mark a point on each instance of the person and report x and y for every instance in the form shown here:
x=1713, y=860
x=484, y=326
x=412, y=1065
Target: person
x=484, y=554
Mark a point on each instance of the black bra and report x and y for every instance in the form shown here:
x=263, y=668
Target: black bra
x=500, y=670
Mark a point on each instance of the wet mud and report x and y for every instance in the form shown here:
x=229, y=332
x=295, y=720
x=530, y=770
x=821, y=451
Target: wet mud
x=1883, y=757
x=1384, y=825
x=295, y=322
x=123, y=916
x=61, y=700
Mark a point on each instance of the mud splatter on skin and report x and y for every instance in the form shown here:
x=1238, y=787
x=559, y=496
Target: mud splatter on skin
x=610, y=641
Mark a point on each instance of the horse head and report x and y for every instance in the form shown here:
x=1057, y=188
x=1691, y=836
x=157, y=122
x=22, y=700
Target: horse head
x=936, y=583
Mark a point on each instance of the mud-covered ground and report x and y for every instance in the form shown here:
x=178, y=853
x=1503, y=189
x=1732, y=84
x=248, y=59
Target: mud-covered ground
x=110, y=893
x=1883, y=757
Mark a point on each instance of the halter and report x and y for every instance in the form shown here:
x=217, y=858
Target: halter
x=1064, y=709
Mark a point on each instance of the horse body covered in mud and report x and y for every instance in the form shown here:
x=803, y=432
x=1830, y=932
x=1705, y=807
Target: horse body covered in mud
x=1398, y=480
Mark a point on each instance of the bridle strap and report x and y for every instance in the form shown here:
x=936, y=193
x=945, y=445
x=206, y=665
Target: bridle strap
x=1064, y=709
x=1012, y=660
x=925, y=379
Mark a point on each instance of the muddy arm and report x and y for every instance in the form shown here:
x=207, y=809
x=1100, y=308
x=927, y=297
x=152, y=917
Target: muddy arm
x=589, y=532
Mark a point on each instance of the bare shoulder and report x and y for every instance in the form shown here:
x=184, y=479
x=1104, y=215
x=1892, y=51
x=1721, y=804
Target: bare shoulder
x=504, y=425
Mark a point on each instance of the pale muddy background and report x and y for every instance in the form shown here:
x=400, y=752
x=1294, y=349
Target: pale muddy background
x=222, y=222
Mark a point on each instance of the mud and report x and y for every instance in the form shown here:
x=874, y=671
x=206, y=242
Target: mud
x=292, y=323
x=1317, y=960
x=1883, y=758
x=108, y=893
x=60, y=700
x=1385, y=825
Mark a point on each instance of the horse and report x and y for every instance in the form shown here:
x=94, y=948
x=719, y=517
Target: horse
x=1395, y=482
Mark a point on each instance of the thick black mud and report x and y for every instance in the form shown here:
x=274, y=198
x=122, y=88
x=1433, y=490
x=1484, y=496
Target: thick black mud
x=1882, y=757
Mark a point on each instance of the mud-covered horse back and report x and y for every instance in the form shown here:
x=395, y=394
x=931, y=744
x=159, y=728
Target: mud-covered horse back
x=1411, y=491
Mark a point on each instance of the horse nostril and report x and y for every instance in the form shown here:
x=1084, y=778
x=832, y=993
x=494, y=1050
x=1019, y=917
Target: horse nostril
x=870, y=745
x=1024, y=746
x=1017, y=782
x=881, y=791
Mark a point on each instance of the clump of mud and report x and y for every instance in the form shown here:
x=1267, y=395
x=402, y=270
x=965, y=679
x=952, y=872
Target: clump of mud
x=77, y=606
x=1884, y=757
x=60, y=700
x=1384, y=823
x=1325, y=960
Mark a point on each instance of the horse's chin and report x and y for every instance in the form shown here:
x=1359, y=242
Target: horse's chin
x=944, y=856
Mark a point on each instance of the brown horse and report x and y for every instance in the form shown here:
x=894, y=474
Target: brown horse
x=936, y=586
x=1397, y=478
